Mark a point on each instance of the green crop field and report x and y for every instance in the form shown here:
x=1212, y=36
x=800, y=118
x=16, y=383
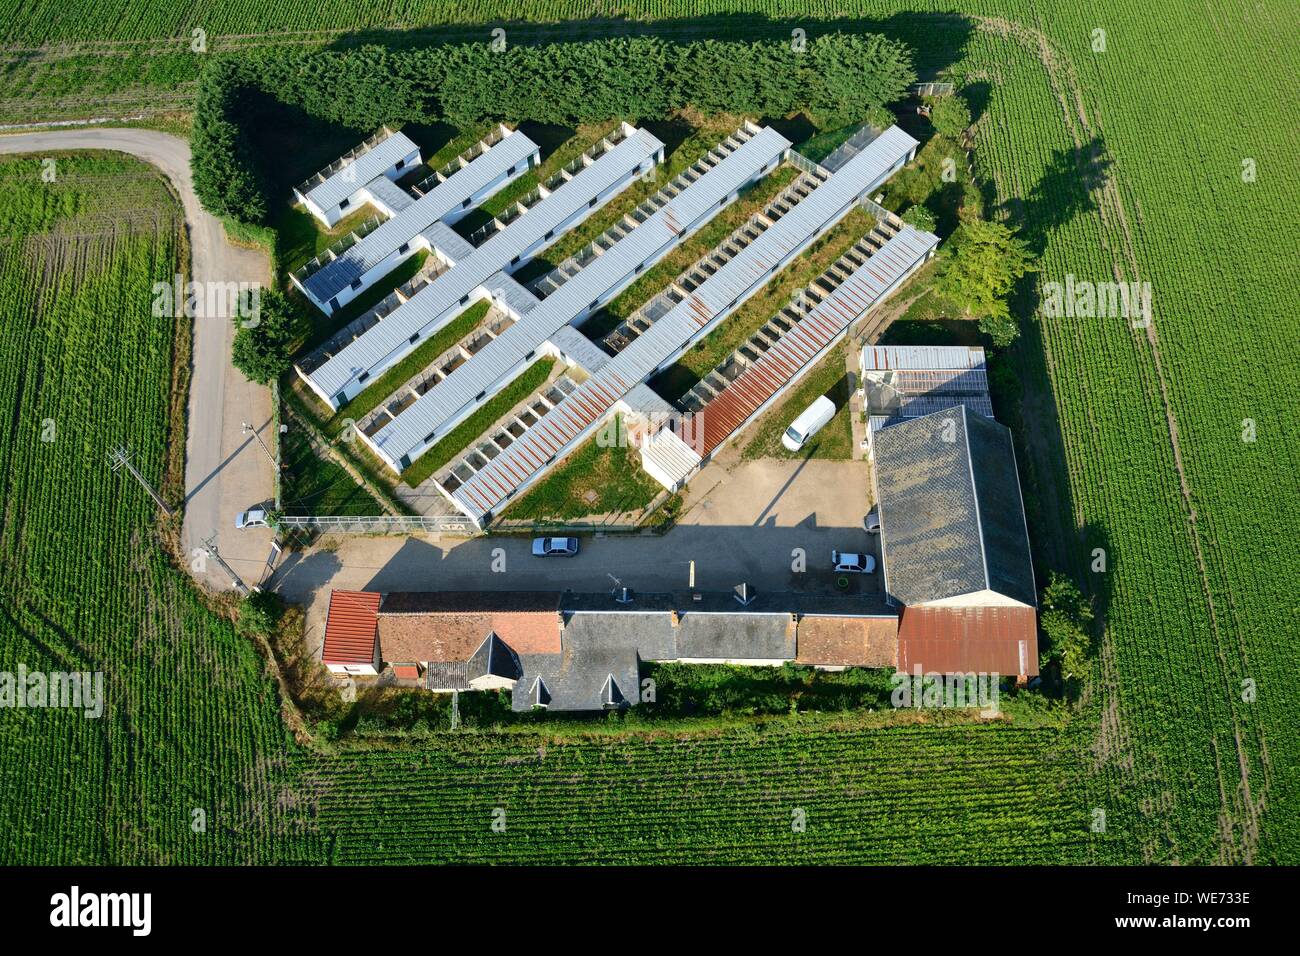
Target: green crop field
x=189, y=719
x=1165, y=158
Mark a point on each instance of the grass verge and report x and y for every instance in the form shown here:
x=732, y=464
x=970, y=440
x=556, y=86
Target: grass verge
x=314, y=484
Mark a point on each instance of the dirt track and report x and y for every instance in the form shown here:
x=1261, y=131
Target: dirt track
x=224, y=470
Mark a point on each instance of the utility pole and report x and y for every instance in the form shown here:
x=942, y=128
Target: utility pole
x=249, y=428
x=120, y=457
x=210, y=546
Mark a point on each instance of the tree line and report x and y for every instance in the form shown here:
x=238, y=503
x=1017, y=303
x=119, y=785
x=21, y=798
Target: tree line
x=834, y=79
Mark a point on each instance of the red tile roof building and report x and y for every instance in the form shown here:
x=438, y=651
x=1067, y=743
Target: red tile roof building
x=352, y=633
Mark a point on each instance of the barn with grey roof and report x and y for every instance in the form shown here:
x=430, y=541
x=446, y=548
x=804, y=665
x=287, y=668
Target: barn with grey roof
x=952, y=519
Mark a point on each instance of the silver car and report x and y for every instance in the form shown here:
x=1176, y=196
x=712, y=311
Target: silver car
x=551, y=547
x=846, y=563
x=252, y=518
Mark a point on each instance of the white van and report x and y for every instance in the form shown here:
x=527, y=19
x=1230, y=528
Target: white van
x=808, y=423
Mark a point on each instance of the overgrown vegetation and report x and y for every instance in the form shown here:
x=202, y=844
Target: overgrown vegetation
x=312, y=483
x=1066, y=621
x=835, y=439
x=265, y=343
x=977, y=272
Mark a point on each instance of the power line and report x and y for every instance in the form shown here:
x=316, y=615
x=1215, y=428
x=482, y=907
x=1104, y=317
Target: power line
x=210, y=546
x=120, y=457
x=249, y=428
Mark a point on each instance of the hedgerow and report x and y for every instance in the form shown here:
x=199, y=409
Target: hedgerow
x=838, y=77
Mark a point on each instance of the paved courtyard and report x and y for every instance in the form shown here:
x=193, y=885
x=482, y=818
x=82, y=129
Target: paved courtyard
x=746, y=522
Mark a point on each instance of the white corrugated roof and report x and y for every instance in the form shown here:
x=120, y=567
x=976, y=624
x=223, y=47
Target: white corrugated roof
x=754, y=264
x=644, y=400
x=448, y=196
x=673, y=458
x=921, y=357
x=445, y=292
x=697, y=201
x=735, y=280
x=384, y=190
x=347, y=179
x=581, y=350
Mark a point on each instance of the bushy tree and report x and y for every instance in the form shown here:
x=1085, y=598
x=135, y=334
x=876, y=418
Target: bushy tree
x=983, y=262
x=881, y=117
x=838, y=79
x=226, y=173
x=920, y=217
x=950, y=116
x=264, y=343
x=848, y=75
x=1066, y=622
x=259, y=613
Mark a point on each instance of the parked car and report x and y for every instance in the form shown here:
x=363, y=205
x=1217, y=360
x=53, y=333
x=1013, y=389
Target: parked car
x=252, y=518
x=809, y=422
x=549, y=547
x=846, y=563
x=871, y=523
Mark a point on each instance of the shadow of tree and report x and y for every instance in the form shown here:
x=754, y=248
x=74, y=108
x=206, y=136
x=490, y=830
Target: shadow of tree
x=1065, y=190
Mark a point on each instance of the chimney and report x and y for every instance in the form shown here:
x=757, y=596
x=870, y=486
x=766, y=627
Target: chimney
x=744, y=593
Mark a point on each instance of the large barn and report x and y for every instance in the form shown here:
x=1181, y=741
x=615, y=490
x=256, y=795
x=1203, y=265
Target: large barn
x=955, y=546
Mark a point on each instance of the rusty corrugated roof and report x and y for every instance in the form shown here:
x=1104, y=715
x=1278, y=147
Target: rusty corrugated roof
x=948, y=640
x=350, y=628
x=798, y=348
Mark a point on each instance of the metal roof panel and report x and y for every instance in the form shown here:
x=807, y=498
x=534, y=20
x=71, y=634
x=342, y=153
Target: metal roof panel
x=347, y=179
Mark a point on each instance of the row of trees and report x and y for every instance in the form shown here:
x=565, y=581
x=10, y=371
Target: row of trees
x=835, y=79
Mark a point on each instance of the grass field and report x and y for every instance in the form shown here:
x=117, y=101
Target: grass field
x=829, y=377
x=595, y=480
x=1133, y=444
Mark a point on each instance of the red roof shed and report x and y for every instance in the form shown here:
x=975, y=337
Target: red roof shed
x=983, y=640
x=352, y=628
